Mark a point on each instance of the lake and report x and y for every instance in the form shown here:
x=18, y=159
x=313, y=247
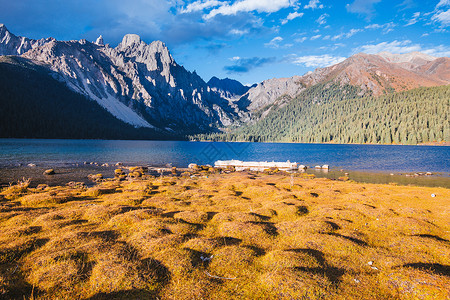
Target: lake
x=365, y=158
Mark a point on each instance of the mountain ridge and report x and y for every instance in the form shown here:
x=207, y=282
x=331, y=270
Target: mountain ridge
x=138, y=83
x=141, y=84
x=373, y=73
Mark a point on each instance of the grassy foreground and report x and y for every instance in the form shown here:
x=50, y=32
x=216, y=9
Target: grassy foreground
x=225, y=236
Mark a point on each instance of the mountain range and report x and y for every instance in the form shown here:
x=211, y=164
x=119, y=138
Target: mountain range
x=142, y=86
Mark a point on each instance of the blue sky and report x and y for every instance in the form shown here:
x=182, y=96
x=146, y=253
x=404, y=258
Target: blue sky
x=247, y=40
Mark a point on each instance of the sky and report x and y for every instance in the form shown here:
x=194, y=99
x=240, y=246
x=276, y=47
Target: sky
x=246, y=40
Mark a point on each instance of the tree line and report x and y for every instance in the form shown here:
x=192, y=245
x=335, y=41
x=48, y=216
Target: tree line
x=331, y=113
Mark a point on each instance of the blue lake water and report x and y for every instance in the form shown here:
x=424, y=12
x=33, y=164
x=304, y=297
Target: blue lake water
x=372, y=158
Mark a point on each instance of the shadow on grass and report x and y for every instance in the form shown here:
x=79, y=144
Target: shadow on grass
x=105, y=235
x=228, y=241
x=125, y=295
x=430, y=236
x=332, y=273
x=14, y=254
x=333, y=225
x=352, y=239
x=434, y=268
x=14, y=284
x=268, y=227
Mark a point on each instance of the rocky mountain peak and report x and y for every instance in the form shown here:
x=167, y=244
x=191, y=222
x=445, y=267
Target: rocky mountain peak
x=228, y=88
x=99, y=41
x=4, y=32
x=130, y=40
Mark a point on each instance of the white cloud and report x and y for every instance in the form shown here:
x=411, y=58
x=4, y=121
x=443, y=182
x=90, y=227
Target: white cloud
x=301, y=40
x=238, y=32
x=274, y=43
x=315, y=37
x=200, y=6
x=398, y=47
x=267, y=6
x=313, y=4
x=388, y=27
x=443, y=17
x=439, y=51
x=292, y=16
x=347, y=35
x=413, y=19
x=316, y=60
x=322, y=19
x=443, y=3
x=373, y=26
x=440, y=15
x=365, y=7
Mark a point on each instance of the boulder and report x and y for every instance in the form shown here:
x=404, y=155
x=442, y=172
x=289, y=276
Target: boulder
x=118, y=172
x=49, y=172
x=95, y=177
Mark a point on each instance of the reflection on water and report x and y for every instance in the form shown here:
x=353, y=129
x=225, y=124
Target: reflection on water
x=436, y=180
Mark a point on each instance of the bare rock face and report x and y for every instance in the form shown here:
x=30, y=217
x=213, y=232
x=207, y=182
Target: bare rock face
x=17, y=45
x=385, y=71
x=228, y=88
x=142, y=84
x=266, y=93
x=99, y=41
x=138, y=83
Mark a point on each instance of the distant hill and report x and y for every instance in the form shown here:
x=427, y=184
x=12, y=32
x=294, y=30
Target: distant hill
x=35, y=105
x=375, y=74
x=228, y=88
x=330, y=113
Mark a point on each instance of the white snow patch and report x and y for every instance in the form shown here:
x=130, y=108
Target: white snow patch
x=117, y=108
x=122, y=112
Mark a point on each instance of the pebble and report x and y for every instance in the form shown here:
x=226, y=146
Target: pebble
x=370, y=263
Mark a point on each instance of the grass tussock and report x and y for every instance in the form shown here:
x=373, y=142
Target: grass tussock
x=238, y=235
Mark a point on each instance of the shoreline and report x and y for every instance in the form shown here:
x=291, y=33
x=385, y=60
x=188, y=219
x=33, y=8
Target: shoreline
x=80, y=172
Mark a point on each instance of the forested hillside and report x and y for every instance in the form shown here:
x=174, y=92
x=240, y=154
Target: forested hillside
x=34, y=105
x=329, y=113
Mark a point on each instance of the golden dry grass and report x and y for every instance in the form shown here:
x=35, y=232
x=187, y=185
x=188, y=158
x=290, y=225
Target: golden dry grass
x=224, y=236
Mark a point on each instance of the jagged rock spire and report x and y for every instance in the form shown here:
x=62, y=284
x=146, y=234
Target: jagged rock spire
x=131, y=39
x=99, y=41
